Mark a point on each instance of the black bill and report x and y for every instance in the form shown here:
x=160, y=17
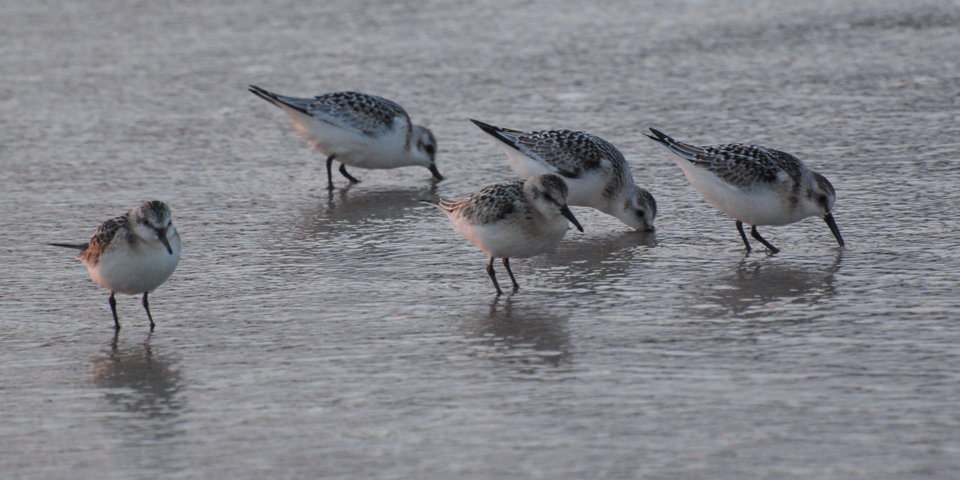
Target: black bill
x=565, y=211
x=833, y=227
x=162, y=235
x=435, y=172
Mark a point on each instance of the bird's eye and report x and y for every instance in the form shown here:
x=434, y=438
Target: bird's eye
x=431, y=149
x=822, y=199
x=640, y=213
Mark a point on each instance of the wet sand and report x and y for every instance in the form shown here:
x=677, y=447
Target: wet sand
x=355, y=335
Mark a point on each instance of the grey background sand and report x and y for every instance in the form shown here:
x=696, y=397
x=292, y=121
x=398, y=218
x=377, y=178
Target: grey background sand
x=357, y=336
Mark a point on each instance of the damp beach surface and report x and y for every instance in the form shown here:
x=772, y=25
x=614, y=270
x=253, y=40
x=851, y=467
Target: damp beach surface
x=354, y=334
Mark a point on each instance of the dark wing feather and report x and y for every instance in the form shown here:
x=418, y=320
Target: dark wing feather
x=369, y=114
x=489, y=204
x=737, y=164
x=570, y=152
x=746, y=165
x=102, y=238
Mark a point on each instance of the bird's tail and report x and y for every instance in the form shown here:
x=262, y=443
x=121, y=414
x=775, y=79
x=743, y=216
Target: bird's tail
x=299, y=104
x=446, y=206
x=687, y=151
x=505, y=135
x=76, y=246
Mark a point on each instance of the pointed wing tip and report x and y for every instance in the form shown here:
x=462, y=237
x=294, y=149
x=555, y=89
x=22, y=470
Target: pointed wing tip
x=500, y=134
x=262, y=93
x=659, y=136
x=486, y=127
x=276, y=99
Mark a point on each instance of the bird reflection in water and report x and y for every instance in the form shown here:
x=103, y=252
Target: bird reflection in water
x=343, y=207
x=756, y=285
x=525, y=336
x=597, y=261
x=141, y=382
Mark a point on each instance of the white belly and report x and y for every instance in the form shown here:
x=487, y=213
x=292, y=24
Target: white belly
x=514, y=240
x=525, y=166
x=135, y=270
x=352, y=148
x=587, y=191
x=760, y=206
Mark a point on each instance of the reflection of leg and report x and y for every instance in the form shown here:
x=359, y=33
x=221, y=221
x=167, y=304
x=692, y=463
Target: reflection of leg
x=506, y=263
x=113, y=308
x=743, y=235
x=343, y=171
x=330, y=175
x=146, y=306
x=756, y=234
x=493, y=277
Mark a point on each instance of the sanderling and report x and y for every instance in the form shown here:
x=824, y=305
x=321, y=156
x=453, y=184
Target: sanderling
x=132, y=254
x=595, y=171
x=359, y=130
x=513, y=219
x=755, y=185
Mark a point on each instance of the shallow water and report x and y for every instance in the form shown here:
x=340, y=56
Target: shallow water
x=355, y=335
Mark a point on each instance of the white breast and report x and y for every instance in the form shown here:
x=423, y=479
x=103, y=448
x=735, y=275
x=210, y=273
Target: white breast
x=137, y=268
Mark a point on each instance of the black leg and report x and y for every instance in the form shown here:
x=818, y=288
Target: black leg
x=743, y=235
x=506, y=263
x=343, y=171
x=329, y=174
x=113, y=308
x=756, y=234
x=493, y=277
x=146, y=306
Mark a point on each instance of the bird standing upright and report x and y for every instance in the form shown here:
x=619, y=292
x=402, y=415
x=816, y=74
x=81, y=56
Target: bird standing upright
x=133, y=254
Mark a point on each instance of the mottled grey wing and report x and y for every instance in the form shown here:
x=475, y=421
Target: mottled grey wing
x=491, y=203
x=568, y=151
x=747, y=165
x=103, y=237
x=369, y=114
